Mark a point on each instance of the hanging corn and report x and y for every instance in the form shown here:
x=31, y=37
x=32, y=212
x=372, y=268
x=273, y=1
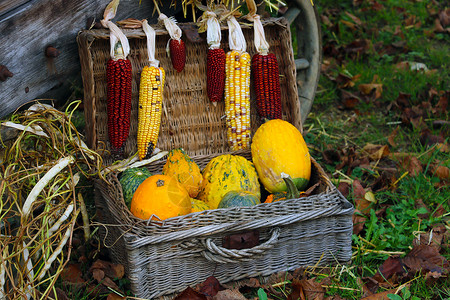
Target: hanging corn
x=118, y=76
x=215, y=61
x=175, y=46
x=265, y=72
x=237, y=88
x=150, y=98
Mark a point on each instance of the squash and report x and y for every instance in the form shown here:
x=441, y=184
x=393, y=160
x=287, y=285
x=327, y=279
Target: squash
x=162, y=196
x=130, y=179
x=226, y=173
x=278, y=147
x=180, y=166
x=198, y=205
x=291, y=193
x=238, y=198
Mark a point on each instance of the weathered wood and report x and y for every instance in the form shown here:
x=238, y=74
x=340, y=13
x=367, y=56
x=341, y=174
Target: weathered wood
x=27, y=30
x=6, y=6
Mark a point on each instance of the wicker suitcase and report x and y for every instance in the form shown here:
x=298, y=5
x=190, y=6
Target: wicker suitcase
x=163, y=258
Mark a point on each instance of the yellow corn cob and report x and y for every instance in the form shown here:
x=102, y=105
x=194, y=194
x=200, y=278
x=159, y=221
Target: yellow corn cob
x=237, y=99
x=150, y=107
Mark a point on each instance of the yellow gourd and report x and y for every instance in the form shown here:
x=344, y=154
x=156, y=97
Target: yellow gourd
x=180, y=166
x=227, y=173
x=278, y=147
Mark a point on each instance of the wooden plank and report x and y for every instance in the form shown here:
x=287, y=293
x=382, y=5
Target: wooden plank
x=26, y=34
x=7, y=6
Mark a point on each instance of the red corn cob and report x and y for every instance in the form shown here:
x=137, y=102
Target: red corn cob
x=118, y=74
x=267, y=85
x=177, y=54
x=215, y=70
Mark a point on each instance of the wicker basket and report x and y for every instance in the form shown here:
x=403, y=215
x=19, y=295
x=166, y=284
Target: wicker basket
x=163, y=258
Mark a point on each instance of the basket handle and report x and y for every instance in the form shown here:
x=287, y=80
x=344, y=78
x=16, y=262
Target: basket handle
x=219, y=254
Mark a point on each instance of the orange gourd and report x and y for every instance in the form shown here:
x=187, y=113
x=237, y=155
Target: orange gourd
x=162, y=196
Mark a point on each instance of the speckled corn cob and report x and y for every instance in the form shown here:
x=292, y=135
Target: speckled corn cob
x=150, y=107
x=237, y=99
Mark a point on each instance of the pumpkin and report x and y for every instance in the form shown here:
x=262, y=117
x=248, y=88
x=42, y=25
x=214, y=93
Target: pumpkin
x=162, y=196
x=278, y=147
x=238, y=198
x=226, y=173
x=291, y=193
x=130, y=179
x=198, y=205
x=180, y=166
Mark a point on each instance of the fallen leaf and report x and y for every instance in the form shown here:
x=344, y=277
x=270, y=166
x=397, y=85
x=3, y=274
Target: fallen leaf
x=392, y=136
x=427, y=138
x=72, y=273
x=109, y=283
x=380, y=296
x=313, y=289
x=210, y=287
x=376, y=152
x=439, y=212
x=361, y=203
x=349, y=100
x=114, y=296
x=433, y=238
x=412, y=164
x=369, y=285
x=441, y=172
x=357, y=47
x=354, y=18
x=110, y=269
x=425, y=258
x=369, y=88
x=229, y=295
x=443, y=147
x=391, y=266
x=359, y=221
x=344, y=188
x=190, y=294
x=98, y=275
x=344, y=81
x=297, y=290
x=444, y=17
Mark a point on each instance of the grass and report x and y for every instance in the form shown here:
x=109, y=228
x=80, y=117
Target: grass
x=329, y=127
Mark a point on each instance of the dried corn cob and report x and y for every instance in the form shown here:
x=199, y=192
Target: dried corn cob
x=237, y=99
x=237, y=88
x=118, y=74
x=177, y=54
x=150, y=107
x=215, y=61
x=150, y=98
x=267, y=85
x=175, y=46
x=118, y=77
x=215, y=70
x=264, y=71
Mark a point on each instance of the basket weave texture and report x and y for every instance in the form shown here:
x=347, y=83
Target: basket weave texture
x=163, y=258
x=189, y=119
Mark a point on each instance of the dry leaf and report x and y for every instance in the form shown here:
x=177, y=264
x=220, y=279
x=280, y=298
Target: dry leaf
x=72, y=273
x=114, y=296
x=359, y=194
x=98, y=275
x=229, y=295
x=210, y=287
x=354, y=18
x=442, y=172
x=110, y=269
x=426, y=258
x=358, y=222
x=392, y=136
x=412, y=164
x=60, y=294
x=380, y=296
x=376, y=152
x=391, y=266
x=369, y=88
x=313, y=289
x=297, y=290
x=190, y=294
x=433, y=238
x=349, y=100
